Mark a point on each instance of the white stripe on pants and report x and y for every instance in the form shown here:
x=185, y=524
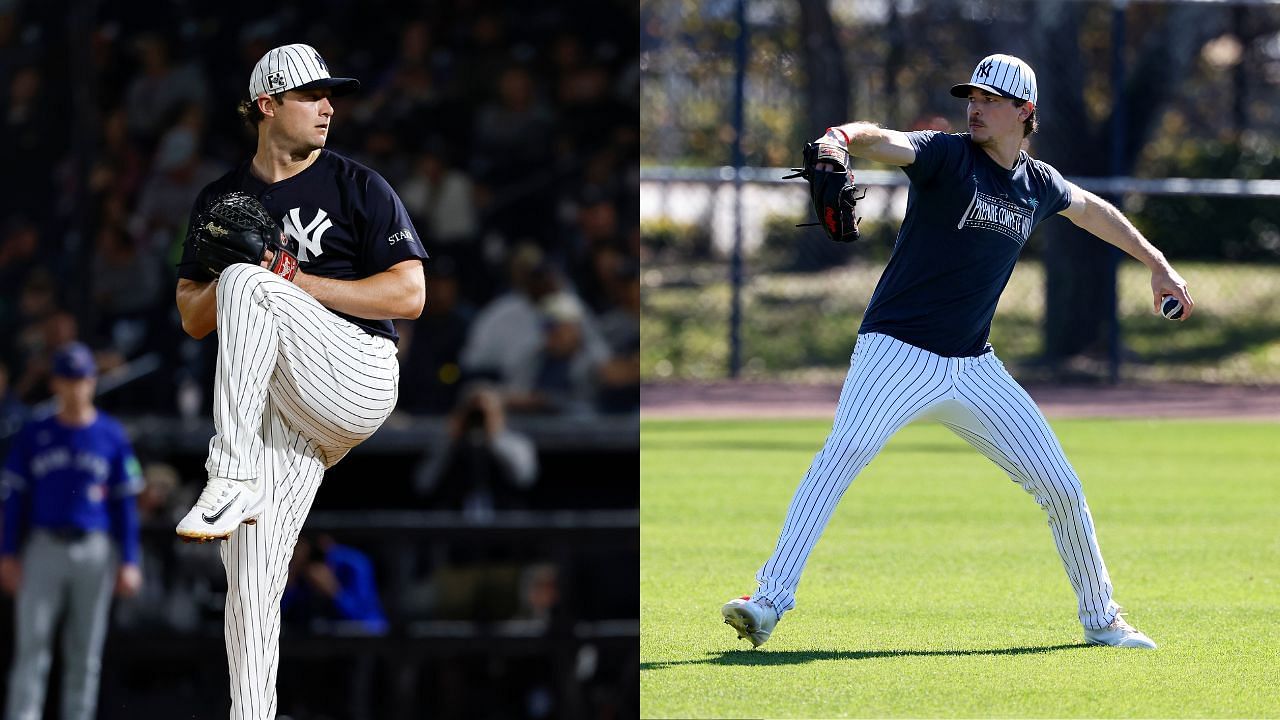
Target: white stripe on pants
x=891, y=383
x=297, y=387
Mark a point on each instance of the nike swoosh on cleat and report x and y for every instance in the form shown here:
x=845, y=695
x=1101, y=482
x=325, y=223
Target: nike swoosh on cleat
x=214, y=519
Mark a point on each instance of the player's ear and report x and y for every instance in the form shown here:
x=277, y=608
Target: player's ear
x=265, y=105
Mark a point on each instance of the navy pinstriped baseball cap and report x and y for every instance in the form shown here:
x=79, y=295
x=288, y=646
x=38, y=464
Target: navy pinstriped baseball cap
x=1003, y=75
x=295, y=67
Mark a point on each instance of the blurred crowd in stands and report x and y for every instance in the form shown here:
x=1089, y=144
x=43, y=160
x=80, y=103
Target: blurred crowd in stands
x=509, y=132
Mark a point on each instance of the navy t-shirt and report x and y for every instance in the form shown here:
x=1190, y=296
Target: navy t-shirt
x=967, y=220
x=348, y=222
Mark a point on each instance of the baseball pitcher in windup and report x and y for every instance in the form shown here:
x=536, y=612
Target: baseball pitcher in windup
x=306, y=349
x=922, y=350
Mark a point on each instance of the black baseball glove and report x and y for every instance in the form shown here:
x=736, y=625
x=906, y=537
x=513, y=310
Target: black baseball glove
x=238, y=229
x=833, y=192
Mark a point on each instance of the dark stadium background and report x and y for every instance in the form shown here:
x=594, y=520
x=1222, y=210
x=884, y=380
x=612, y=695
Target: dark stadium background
x=522, y=603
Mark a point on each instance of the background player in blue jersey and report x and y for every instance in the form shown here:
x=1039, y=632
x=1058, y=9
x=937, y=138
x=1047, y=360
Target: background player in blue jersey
x=70, y=536
x=922, y=350
x=307, y=367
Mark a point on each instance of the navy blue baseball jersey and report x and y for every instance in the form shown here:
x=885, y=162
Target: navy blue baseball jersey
x=348, y=222
x=967, y=220
x=80, y=479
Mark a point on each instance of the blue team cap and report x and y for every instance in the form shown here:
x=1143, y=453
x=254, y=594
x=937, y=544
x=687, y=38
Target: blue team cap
x=74, y=361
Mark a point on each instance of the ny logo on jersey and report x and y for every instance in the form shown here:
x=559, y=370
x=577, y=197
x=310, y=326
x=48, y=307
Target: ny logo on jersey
x=984, y=70
x=307, y=236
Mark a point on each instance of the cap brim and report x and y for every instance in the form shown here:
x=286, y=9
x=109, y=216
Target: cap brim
x=962, y=90
x=339, y=86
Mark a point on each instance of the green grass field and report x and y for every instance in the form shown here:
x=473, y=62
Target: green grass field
x=936, y=590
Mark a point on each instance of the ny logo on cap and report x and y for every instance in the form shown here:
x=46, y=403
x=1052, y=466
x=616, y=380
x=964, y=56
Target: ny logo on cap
x=276, y=79
x=984, y=70
x=321, y=61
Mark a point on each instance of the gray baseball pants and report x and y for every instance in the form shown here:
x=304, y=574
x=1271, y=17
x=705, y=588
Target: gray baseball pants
x=60, y=576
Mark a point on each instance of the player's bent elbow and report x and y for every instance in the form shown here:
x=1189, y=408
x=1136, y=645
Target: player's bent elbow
x=195, y=330
x=195, y=325
x=416, y=304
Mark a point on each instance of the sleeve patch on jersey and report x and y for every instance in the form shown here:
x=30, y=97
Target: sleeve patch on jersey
x=404, y=234
x=133, y=480
x=132, y=467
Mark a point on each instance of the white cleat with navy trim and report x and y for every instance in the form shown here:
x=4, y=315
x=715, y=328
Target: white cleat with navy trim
x=221, y=508
x=1119, y=634
x=753, y=621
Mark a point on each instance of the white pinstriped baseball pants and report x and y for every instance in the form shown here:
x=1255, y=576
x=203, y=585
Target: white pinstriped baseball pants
x=891, y=383
x=297, y=387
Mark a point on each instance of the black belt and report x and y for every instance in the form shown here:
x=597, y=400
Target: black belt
x=68, y=533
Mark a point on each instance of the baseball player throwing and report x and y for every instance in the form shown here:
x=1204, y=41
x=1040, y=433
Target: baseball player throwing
x=922, y=350
x=306, y=348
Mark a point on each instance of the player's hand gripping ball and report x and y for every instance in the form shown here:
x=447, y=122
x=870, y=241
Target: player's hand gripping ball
x=238, y=229
x=1170, y=307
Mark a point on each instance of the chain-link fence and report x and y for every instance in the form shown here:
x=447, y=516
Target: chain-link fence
x=1145, y=90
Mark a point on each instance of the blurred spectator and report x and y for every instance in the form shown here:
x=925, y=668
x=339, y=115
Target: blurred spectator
x=28, y=139
x=441, y=198
x=42, y=340
x=561, y=376
x=596, y=249
x=69, y=487
x=407, y=93
x=510, y=334
x=179, y=173
x=127, y=285
x=620, y=327
x=332, y=583
x=508, y=330
x=487, y=466
x=539, y=591
x=13, y=412
x=487, y=51
x=512, y=157
x=156, y=94
x=430, y=368
x=331, y=587
x=582, y=87
x=117, y=165
x=17, y=262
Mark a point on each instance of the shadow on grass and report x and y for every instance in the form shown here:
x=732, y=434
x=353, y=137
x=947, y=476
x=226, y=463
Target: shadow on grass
x=797, y=657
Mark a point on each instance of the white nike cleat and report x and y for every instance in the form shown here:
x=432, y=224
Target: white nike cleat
x=753, y=621
x=1119, y=634
x=221, y=508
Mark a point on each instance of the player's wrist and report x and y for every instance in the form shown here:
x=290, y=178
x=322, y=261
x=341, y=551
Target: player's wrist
x=836, y=134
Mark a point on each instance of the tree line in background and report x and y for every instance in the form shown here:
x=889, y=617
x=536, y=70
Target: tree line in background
x=1198, y=87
